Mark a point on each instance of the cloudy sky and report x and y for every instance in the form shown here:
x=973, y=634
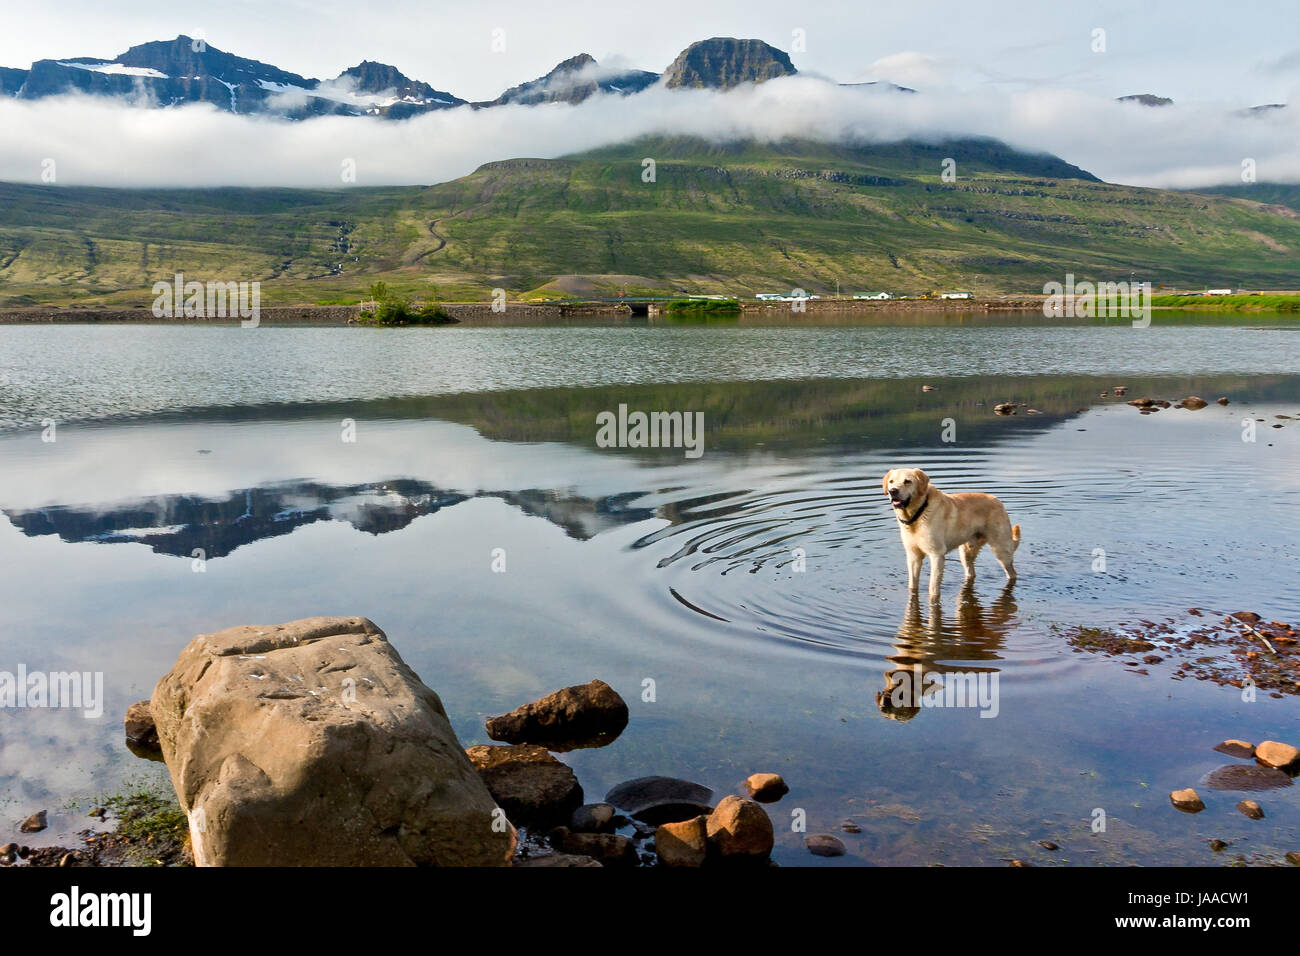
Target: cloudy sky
x=1028, y=72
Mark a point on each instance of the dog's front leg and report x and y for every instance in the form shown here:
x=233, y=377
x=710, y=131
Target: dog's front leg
x=914, y=559
x=936, y=576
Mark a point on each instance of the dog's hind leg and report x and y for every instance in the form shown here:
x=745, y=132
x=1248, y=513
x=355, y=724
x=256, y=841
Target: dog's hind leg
x=1004, y=551
x=968, y=552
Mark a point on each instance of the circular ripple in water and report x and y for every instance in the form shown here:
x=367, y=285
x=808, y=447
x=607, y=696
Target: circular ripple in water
x=810, y=556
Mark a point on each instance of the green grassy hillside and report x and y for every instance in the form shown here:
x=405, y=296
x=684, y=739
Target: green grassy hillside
x=734, y=219
x=1281, y=194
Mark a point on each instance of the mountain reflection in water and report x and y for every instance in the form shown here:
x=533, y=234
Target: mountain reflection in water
x=182, y=525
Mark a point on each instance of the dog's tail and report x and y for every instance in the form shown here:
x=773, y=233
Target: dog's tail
x=1015, y=536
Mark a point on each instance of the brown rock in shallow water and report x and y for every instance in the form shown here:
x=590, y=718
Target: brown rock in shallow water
x=1273, y=754
x=1247, y=778
x=658, y=800
x=592, y=818
x=559, y=860
x=1189, y=801
x=766, y=787
x=823, y=844
x=584, y=715
x=1194, y=403
x=1236, y=748
x=1251, y=809
x=141, y=734
x=312, y=743
x=1223, y=400
x=611, y=849
x=1293, y=857
x=1005, y=408
x=683, y=844
x=739, y=829
x=530, y=785
x=33, y=824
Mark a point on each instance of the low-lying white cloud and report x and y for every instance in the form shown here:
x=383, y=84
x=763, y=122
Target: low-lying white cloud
x=97, y=141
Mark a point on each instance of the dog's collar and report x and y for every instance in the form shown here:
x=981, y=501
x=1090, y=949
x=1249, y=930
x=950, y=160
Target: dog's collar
x=919, y=511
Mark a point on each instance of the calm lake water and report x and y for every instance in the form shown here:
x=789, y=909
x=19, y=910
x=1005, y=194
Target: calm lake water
x=759, y=587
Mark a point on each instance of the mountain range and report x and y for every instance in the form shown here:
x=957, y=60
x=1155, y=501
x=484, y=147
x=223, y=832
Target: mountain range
x=186, y=70
x=721, y=217
x=165, y=73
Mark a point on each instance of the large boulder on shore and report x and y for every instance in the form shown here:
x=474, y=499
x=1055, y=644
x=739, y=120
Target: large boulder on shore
x=584, y=715
x=313, y=744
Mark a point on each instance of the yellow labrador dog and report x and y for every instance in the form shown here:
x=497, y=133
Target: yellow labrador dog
x=931, y=524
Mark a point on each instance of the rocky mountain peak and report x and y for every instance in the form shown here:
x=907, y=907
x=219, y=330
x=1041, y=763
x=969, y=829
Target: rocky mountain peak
x=724, y=62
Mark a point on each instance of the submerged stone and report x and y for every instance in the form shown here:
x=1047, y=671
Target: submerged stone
x=657, y=800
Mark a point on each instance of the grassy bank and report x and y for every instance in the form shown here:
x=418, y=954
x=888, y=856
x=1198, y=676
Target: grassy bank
x=1229, y=303
x=701, y=310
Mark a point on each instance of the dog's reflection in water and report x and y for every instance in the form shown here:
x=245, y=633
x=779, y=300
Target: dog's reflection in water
x=931, y=656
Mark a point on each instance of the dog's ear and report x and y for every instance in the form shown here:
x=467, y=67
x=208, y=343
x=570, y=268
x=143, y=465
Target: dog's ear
x=884, y=482
x=922, y=483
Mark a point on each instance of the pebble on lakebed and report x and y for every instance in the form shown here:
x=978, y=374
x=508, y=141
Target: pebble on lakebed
x=823, y=844
x=1236, y=748
x=766, y=787
x=1248, y=778
x=1189, y=801
x=1251, y=809
x=1281, y=756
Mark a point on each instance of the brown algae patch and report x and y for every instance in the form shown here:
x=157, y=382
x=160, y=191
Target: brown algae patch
x=1237, y=649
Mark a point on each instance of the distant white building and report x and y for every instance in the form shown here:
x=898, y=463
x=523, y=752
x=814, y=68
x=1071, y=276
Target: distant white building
x=877, y=295
x=1220, y=291
x=770, y=296
x=957, y=295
